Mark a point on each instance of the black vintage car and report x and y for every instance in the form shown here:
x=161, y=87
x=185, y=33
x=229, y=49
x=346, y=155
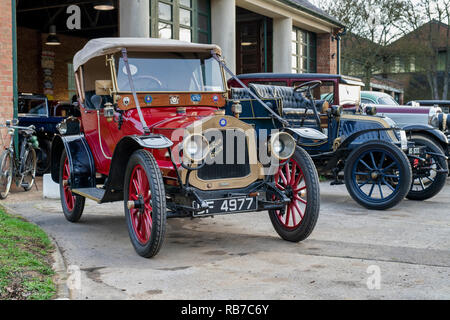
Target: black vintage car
x=378, y=164
x=37, y=110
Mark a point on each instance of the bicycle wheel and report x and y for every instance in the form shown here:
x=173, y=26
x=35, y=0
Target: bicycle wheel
x=29, y=169
x=6, y=173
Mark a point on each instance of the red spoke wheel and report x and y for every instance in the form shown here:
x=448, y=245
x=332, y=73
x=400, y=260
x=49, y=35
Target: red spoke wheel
x=72, y=205
x=298, y=179
x=145, y=204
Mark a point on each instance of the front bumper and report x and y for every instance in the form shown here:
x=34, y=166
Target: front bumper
x=191, y=200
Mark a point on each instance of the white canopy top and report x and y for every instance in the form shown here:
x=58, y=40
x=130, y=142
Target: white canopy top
x=101, y=46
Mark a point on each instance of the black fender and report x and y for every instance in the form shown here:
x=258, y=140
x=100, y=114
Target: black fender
x=81, y=161
x=348, y=140
x=123, y=151
x=430, y=131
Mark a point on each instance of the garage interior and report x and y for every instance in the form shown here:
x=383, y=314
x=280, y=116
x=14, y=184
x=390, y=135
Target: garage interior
x=49, y=33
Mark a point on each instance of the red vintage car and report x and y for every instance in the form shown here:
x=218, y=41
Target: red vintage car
x=153, y=134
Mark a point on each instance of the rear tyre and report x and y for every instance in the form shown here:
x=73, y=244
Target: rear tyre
x=72, y=204
x=146, y=216
x=29, y=169
x=299, y=180
x=377, y=175
x=428, y=183
x=6, y=173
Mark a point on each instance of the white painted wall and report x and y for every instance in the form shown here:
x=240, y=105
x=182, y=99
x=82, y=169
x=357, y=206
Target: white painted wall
x=223, y=29
x=282, y=45
x=134, y=18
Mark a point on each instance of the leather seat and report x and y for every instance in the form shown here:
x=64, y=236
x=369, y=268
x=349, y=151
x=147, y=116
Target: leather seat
x=240, y=94
x=286, y=94
x=88, y=103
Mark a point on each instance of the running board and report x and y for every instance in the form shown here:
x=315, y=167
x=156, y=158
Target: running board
x=95, y=194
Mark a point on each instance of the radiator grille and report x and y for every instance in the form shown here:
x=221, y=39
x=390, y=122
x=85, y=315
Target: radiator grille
x=230, y=160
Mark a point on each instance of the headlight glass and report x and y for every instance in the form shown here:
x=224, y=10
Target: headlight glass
x=278, y=146
x=282, y=145
x=195, y=147
x=62, y=127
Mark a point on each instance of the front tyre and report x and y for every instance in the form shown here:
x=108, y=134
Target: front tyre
x=6, y=173
x=377, y=175
x=299, y=180
x=427, y=181
x=72, y=204
x=145, y=203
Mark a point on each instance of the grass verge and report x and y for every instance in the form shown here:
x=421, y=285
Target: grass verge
x=25, y=260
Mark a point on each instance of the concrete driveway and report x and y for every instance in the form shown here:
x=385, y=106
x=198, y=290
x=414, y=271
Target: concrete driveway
x=241, y=257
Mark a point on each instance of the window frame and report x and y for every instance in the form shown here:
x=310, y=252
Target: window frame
x=311, y=45
x=175, y=24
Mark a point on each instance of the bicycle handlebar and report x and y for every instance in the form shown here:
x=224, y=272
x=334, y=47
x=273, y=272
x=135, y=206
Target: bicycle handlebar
x=29, y=128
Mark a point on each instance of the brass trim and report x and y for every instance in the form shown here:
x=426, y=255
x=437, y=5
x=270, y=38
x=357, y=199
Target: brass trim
x=256, y=171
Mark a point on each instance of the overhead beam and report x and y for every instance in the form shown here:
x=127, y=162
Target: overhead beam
x=39, y=8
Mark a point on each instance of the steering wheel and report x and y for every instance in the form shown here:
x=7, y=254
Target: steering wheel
x=142, y=78
x=308, y=87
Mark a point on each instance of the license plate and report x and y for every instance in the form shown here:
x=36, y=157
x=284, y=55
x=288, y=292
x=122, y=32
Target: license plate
x=228, y=205
x=414, y=151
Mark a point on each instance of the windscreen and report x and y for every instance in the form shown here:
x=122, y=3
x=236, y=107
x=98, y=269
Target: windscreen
x=387, y=100
x=349, y=95
x=169, y=72
x=32, y=107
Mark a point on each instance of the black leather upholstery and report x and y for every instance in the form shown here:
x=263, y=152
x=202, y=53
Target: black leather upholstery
x=240, y=94
x=88, y=103
x=286, y=94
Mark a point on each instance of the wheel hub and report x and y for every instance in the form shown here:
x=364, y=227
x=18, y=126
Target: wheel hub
x=289, y=192
x=374, y=175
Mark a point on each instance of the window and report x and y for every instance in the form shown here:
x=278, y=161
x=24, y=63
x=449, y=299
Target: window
x=187, y=20
x=70, y=81
x=303, y=51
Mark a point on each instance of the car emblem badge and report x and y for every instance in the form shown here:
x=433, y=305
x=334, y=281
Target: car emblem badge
x=148, y=99
x=126, y=101
x=215, y=98
x=223, y=122
x=174, y=100
x=196, y=98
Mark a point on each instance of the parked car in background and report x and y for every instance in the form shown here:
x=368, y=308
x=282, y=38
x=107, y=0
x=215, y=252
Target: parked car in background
x=153, y=133
x=443, y=104
x=424, y=123
x=44, y=115
x=346, y=130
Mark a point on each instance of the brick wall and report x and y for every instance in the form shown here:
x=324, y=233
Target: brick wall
x=326, y=54
x=6, y=65
x=30, y=44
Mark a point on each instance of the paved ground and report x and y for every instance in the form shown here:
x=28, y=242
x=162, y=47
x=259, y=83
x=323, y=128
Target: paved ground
x=241, y=257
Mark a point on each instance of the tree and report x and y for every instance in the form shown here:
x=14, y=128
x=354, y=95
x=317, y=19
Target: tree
x=371, y=26
x=426, y=27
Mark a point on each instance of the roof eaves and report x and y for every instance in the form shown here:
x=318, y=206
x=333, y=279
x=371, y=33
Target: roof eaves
x=313, y=10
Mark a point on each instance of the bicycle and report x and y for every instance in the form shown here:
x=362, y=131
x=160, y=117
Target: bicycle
x=23, y=168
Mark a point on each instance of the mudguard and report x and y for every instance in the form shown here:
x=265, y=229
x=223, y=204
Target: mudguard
x=307, y=136
x=122, y=153
x=428, y=130
x=81, y=161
